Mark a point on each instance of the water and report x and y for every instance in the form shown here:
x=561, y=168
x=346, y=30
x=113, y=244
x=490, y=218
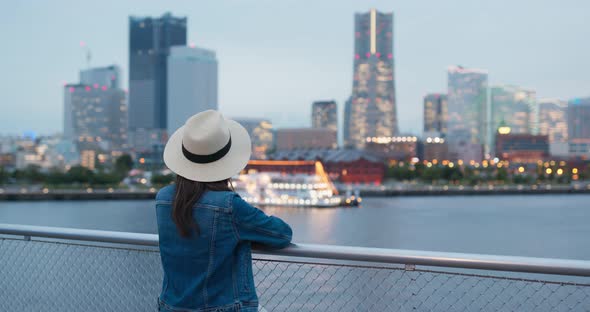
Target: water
x=555, y=226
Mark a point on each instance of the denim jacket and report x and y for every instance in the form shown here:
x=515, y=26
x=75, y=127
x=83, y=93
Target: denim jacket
x=212, y=270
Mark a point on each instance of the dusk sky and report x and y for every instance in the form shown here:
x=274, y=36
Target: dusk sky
x=276, y=57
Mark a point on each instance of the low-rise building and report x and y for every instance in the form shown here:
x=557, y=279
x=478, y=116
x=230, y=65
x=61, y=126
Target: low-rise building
x=305, y=138
x=465, y=151
x=521, y=147
x=402, y=148
x=435, y=148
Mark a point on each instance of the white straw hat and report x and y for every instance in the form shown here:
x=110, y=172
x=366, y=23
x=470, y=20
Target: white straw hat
x=208, y=148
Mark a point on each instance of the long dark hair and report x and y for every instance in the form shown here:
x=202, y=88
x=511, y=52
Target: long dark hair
x=188, y=192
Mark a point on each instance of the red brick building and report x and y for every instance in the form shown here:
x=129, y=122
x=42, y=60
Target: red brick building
x=523, y=148
x=344, y=166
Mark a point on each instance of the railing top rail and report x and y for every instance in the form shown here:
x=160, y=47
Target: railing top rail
x=378, y=255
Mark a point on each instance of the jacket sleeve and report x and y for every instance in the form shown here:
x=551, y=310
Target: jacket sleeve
x=254, y=225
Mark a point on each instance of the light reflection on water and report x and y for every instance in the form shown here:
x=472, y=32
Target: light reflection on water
x=556, y=226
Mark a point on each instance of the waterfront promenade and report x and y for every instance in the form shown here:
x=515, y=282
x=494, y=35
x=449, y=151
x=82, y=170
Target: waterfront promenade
x=363, y=190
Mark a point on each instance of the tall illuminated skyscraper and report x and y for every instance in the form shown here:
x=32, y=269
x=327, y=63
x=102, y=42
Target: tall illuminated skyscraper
x=467, y=107
x=372, y=108
x=150, y=40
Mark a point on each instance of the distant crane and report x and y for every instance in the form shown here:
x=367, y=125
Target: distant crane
x=87, y=52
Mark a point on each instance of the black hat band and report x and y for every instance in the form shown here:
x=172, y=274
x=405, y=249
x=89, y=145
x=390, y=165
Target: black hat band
x=205, y=159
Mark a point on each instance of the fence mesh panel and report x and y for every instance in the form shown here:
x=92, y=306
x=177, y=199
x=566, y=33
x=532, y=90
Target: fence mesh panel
x=50, y=276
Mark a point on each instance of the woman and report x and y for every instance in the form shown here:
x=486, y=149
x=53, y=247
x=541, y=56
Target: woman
x=205, y=228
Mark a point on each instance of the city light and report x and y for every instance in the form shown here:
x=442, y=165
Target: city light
x=521, y=169
x=548, y=170
x=575, y=171
x=504, y=130
x=559, y=171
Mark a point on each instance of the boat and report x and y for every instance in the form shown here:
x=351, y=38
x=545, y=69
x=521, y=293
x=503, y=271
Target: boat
x=291, y=189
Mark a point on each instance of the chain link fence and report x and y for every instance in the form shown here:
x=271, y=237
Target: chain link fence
x=287, y=286
x=60, y=276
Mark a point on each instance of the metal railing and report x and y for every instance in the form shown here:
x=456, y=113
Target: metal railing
x=42, y=275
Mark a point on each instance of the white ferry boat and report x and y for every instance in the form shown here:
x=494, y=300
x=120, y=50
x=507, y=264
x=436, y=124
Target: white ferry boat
x=299, y=190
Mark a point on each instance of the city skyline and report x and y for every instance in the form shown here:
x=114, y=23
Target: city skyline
x=559, y=77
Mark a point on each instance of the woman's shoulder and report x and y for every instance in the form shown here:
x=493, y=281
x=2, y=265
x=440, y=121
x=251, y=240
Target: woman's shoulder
x=221, y=198
x=166, y=193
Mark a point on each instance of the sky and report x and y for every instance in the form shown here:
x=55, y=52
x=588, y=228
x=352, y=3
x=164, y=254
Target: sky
x=277, y=57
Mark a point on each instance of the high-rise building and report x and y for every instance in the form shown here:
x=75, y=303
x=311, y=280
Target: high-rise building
x=192, y=84
x=435, y=113
x=553, y=122
x=578, y=115
x=95, y=110
x=553, y=119
x=261, y=134
x=95, y=114
x=150, y=40
x=324, y=114
x=372, y=109
x=467, y=109
x=515, y=107
x=109, y=76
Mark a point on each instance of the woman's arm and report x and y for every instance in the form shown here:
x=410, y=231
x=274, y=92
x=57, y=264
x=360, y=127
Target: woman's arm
x=254, y=225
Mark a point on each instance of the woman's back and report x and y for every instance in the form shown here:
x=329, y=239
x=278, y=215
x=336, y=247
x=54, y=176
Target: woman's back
x=212, y=268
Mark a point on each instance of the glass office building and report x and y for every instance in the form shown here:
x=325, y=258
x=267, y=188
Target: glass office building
x=150, y=40
x=467, y=106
